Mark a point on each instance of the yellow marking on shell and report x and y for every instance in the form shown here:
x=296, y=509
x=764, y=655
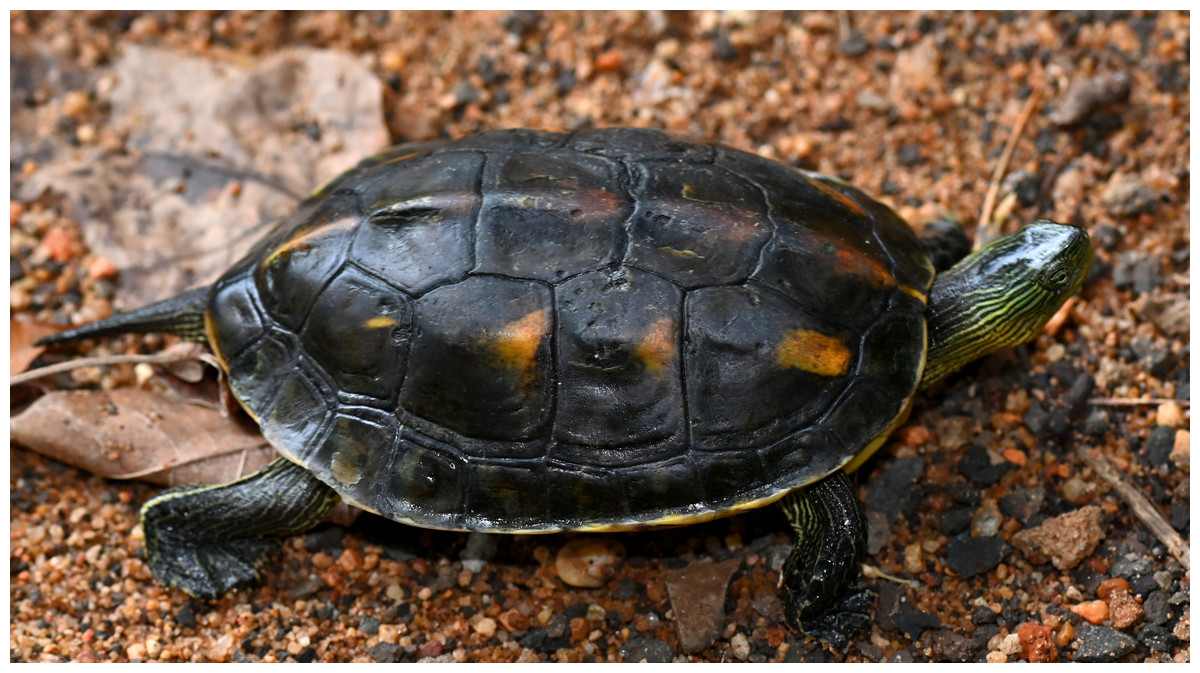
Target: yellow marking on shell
x=656, y=350
x=838, y=196
x=916, y=292
x=515, y=345
x=379, y=321
x=813, y=352
x=304, y=241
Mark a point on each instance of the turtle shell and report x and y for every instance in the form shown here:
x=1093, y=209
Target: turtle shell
x=533, y=331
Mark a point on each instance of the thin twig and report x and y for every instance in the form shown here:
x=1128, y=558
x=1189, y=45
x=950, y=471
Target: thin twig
x=1125, y=402
x=987, y=231
x=1142, y=508
x=166, y=357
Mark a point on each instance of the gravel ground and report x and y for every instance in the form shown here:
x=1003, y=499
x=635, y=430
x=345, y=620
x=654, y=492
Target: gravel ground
x=1011, y=543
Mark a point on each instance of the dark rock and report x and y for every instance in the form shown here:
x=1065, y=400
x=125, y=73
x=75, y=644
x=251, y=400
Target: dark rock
x=650, y=650
x=325, y=538
x=625, y=589
x=947, y=646
x=956, y=520
x=910, y=155
x=187, y=615
x=1129, y=196
x=15, y=270
x=897, y=613
x=1181, y=515
x=1155, y=607
x=1025, y=184
x=1143, y=585
x=368, y=625
x=384, y=653
x=893, y=492
x=1023, y=503
x=1129, y=568
x=697, y=595
x=1097, y=423
x=1138, y=271
x=1158, y=638
x=970, y=556
x=976, y=465
x=306, y=588
x=984, y=615
x=1102, y=643
x=855, y=43
x=534, y=639
x=1106, y=237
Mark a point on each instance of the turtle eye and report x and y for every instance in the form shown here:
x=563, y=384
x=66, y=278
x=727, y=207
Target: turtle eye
x=1055, y=277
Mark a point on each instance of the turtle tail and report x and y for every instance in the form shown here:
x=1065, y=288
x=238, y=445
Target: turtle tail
x=182, y=315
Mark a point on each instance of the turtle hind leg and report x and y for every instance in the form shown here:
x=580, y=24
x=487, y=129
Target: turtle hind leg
x=824, y=594
x=207, y=540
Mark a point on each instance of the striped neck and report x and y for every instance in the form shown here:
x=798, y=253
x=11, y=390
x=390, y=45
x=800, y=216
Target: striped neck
x=1002, y=295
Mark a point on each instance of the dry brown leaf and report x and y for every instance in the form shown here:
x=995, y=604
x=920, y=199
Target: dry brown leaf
x=210, y=160
x=138, y=434
x=21, y=351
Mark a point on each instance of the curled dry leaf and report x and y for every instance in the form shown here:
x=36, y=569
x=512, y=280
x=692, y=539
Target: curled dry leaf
x=138, y=434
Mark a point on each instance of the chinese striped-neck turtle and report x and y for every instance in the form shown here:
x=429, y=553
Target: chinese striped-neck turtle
x=525, y=331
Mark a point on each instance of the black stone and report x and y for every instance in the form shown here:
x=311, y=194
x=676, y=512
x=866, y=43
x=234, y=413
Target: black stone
x=1023, y=503
x=1156, y=609
x=1159, y=445
x=956, y=520
x=1102, y=643
x=384, y=653
x=984, y=615
x=897, y=613
x=186, y=616
x=977, y=466
x=892, y=492
x=855, y=43
x=325, y=538
x=368, y=625
x=1158, y=638
x=651, y=650
x=970, y=556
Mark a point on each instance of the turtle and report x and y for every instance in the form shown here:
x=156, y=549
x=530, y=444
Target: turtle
x=525, y=331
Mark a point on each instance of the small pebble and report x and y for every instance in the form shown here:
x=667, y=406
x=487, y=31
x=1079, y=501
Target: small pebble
x=1095, y=612
x=589, y=562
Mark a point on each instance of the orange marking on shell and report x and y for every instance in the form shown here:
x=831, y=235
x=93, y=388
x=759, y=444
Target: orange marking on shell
x=813, y=352
x=656, y=350
x=841, y=198
x=515, y=345
x=850, y=261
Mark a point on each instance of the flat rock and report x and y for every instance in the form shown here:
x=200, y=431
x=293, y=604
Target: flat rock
x=697, y=595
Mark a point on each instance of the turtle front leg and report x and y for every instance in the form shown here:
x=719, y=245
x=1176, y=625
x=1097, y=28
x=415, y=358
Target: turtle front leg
x=822, y=585
x=208, y=539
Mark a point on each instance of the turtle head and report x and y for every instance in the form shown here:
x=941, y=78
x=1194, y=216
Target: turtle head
x=1003, y=294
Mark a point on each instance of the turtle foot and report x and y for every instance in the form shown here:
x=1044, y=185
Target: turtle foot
x=209, y=570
